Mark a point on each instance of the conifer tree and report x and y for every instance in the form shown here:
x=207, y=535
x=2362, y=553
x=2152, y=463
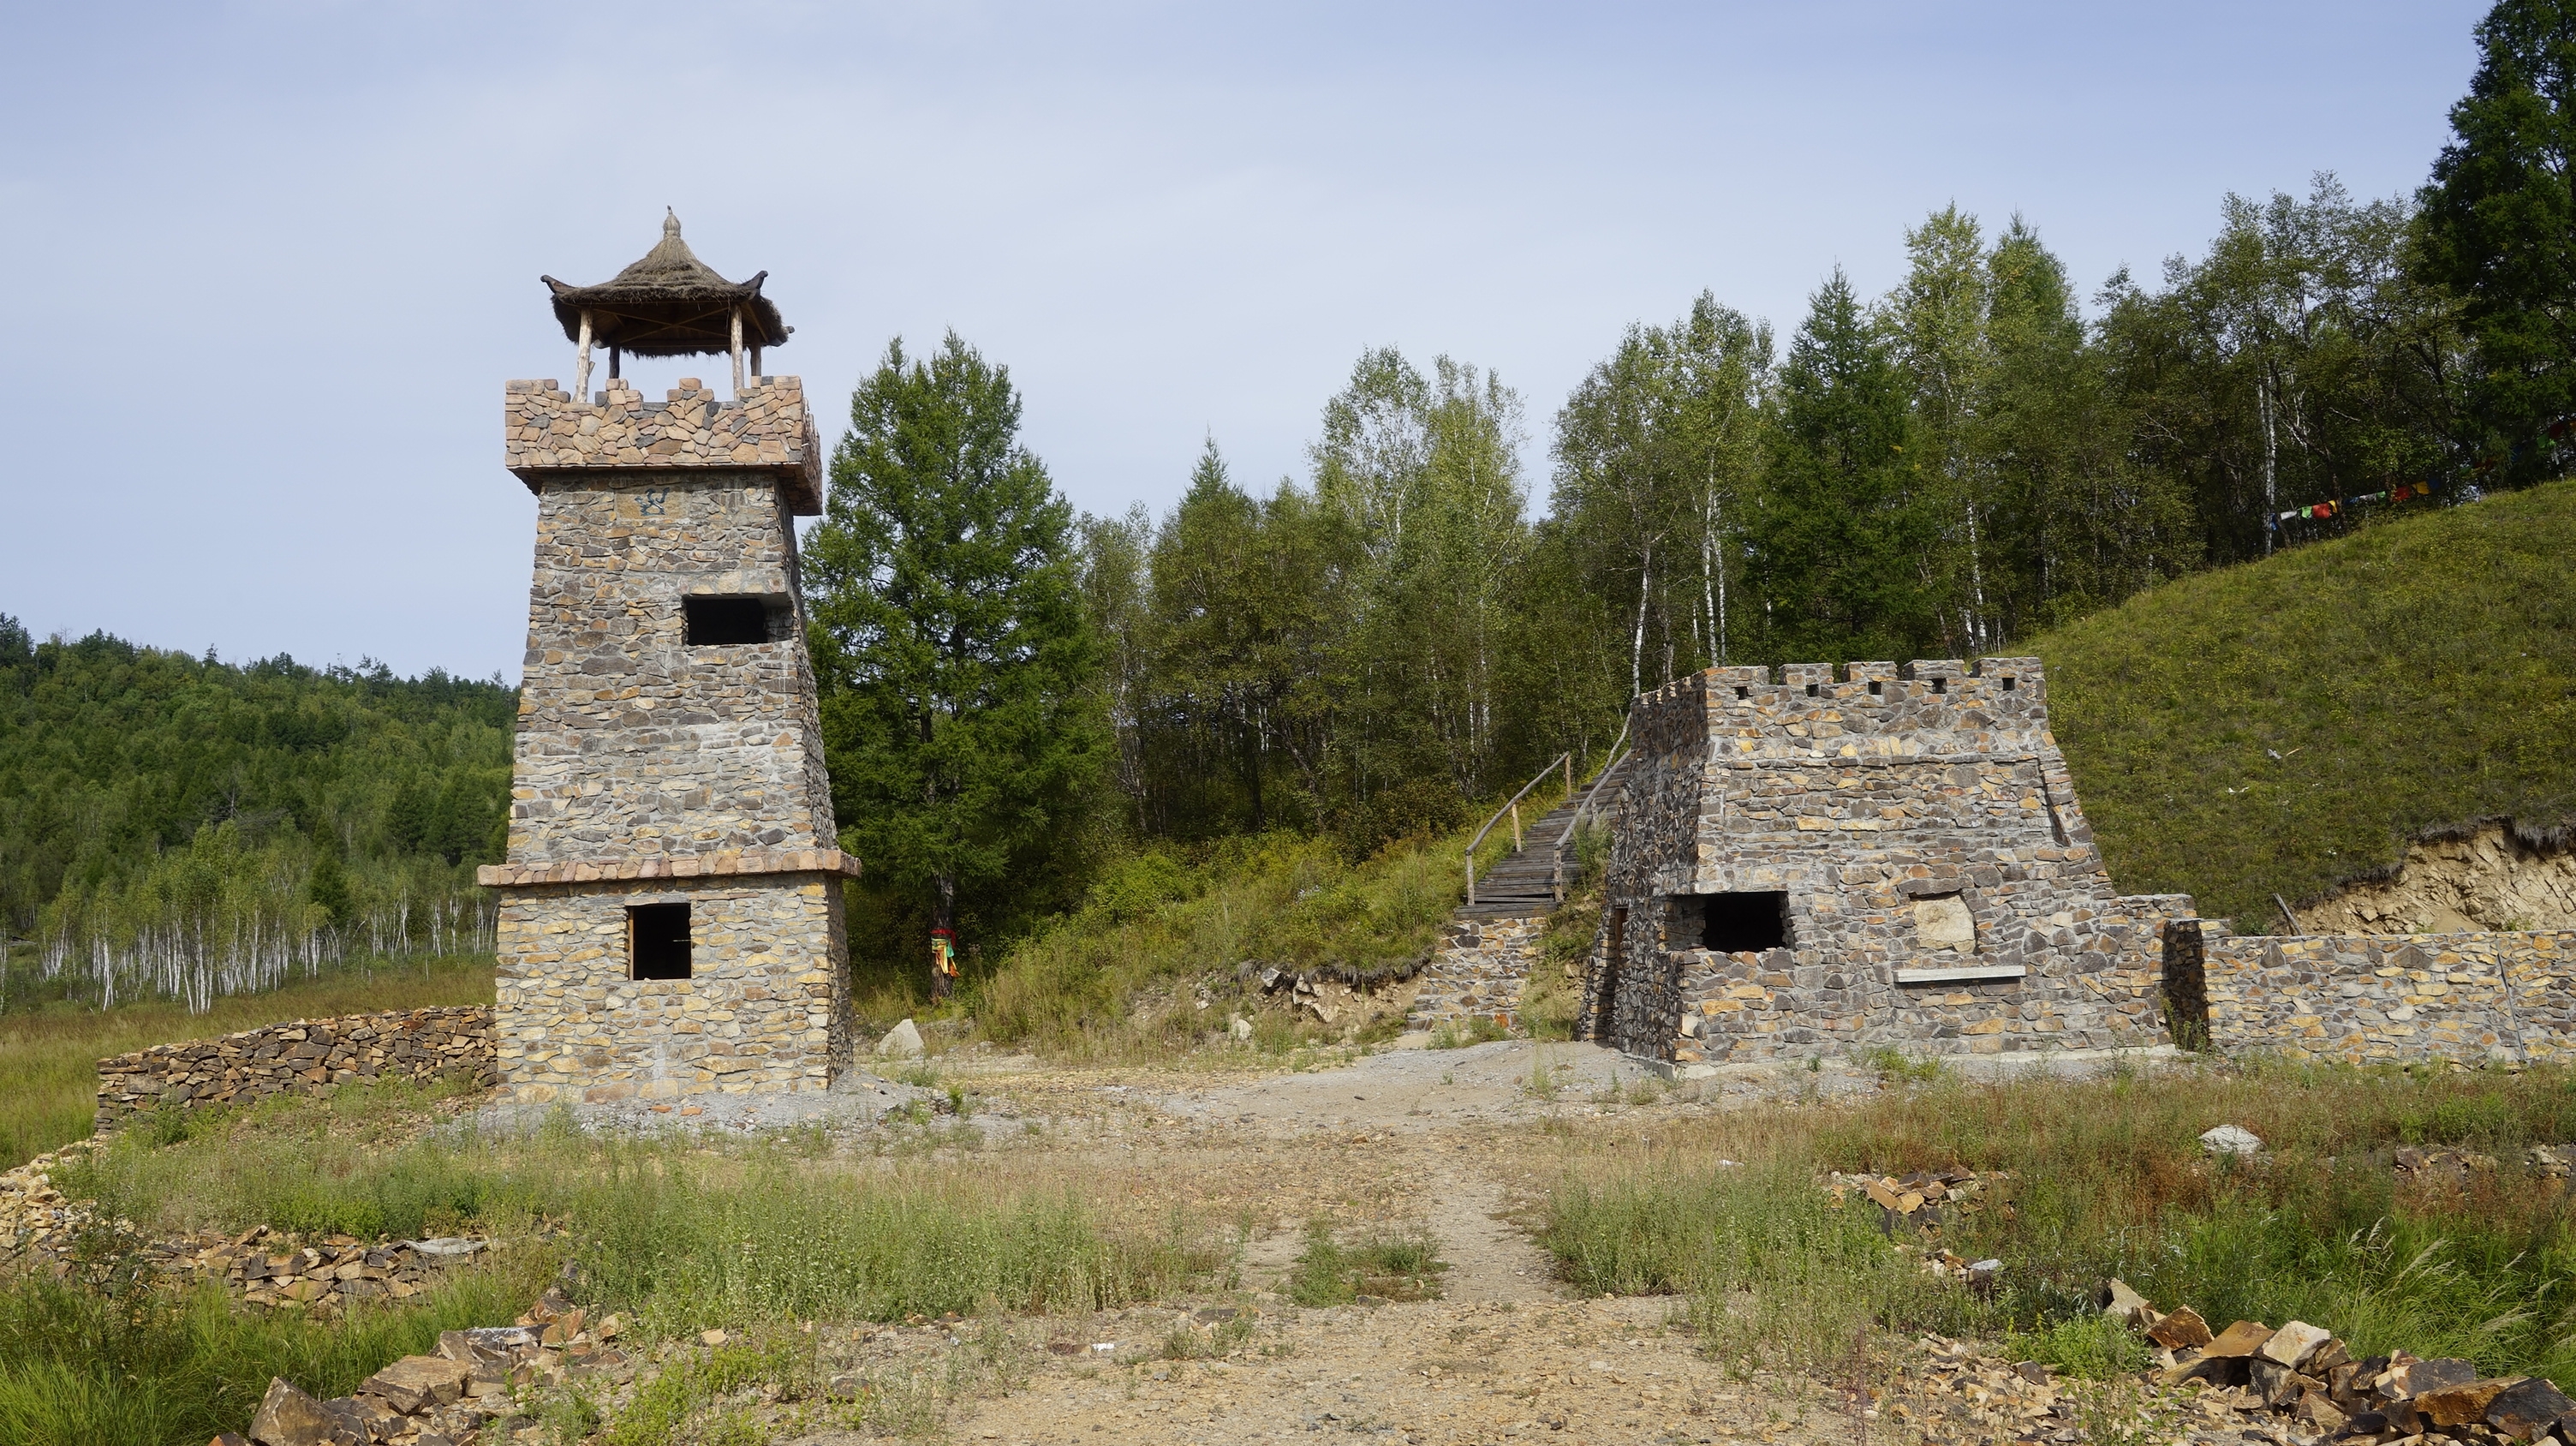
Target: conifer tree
x=1847, y=532
x=952, y=653
x=2499, y=227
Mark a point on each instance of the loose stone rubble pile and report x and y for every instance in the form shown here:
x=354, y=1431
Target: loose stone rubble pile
x=37, y=1224
x=269, y=1268
x=43, y=1232
x=297, y=1058
x=1960, y=1395
x=2306, y=1384
x=442, y=1399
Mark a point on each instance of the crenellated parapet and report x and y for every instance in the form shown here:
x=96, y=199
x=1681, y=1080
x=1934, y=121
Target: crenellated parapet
x=767, y=426
x=1923, y=710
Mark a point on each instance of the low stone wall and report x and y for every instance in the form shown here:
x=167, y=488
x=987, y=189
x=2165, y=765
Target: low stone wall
x=1479, y=972
x=2393, y=997
x=298, y=1058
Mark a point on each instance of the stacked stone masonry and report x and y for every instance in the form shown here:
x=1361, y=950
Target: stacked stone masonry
x=658, y=768
x=766, y=1006
x=298, y=1058
x=767, y=427
x=1478, y=973
x=1916, y=837
x=2383, y=998
x=633, y=743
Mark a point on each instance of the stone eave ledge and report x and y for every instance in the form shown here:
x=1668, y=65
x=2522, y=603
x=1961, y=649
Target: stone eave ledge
x=732, y=863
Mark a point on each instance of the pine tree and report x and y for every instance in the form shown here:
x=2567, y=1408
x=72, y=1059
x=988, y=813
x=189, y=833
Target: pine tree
x=952, y=652
x=328, y=885
x=2499, y=227
x=1848, y=534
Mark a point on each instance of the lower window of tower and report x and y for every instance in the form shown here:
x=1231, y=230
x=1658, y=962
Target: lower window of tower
x=657, y=941
x=1738, y=923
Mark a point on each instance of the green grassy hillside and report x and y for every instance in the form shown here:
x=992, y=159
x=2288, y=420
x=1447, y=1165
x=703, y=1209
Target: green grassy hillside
x=2279, y=726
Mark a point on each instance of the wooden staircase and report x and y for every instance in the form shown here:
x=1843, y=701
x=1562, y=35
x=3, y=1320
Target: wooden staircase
x=1484, y=958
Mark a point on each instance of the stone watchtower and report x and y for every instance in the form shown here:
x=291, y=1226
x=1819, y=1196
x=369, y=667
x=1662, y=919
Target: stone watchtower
x=671, y=915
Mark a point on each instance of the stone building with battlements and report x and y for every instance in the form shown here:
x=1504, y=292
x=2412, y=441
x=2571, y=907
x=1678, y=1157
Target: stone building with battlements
x=671, y=915
x=1836, y=860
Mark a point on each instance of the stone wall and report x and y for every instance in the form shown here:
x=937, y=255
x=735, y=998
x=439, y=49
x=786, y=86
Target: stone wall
x=297, y=1058
x=766, y=1007
x=766, y=427
x=2390, y=997
x=631, y=743
x=1478, y=972
x=1937, y=884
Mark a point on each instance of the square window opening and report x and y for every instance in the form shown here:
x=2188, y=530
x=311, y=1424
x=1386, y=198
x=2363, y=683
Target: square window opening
x=1738, y=923
x=1940, y=685
x=1743, y=692
x=657, y=941
x=1811, y=690
x=2008, y=683
x=1873, y=687
x=715, y=622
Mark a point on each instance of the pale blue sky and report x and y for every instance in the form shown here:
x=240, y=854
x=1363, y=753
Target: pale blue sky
x=274, y=261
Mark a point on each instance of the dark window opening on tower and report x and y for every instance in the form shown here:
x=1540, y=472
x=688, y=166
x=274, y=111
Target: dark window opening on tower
x=723, y=621
x=1738, y=923
x=657, y=941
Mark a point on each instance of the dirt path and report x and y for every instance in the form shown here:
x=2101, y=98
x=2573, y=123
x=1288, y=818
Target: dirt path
x=1416, y=1135
x=1434, y=1373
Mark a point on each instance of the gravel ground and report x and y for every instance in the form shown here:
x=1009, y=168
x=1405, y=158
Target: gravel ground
x=859, y=1102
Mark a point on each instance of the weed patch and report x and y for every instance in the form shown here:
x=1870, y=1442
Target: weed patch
x=1389, y=1264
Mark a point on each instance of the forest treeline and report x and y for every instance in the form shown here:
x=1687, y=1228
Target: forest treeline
x=181, y=827
x=1941, y=471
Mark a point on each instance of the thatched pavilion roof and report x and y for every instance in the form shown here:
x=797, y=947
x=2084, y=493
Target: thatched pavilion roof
x=669, y=304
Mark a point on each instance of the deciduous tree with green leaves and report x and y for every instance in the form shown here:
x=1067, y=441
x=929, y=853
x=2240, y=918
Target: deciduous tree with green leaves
x=954, y=662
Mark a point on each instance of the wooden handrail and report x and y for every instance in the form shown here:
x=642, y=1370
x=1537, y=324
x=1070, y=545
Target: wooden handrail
x=1556, y=863
x=1514, y=809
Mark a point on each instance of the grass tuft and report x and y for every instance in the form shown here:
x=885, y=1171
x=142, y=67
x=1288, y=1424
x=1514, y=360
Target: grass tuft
x=2104, y=1177
x=1391, y=1263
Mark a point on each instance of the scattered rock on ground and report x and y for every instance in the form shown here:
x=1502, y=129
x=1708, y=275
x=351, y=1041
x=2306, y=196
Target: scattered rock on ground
x=2231, y=1140
x=903, y=1041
